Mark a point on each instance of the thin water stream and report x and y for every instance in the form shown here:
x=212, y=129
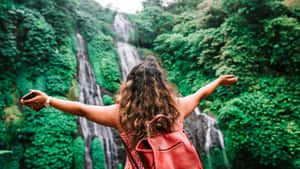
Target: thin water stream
x=90, y=93
x=128, y=54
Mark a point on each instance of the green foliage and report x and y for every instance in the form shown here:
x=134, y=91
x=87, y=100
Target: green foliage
x=38, y=45
x=93, y=19
x=183, y=6
x=59, y=79
x=265, y=122
x=11, y=120
x=98, y=155
x=231, y=48
x=97, y=11
x=11, y=159
x=39, y=56
x=186, y=23
x=9, y=54
x=78, y=151
x=39, y=48
x=108, y=100
x=151, y=3
x=151, y=22
x=48, y=136
x=209, y=15
x=283, y=43
x=104, y=60
x=215, y=159
x=37, y=52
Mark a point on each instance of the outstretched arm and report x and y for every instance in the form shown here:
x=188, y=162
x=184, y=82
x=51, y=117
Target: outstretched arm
x=188, y=103
x=105, y=115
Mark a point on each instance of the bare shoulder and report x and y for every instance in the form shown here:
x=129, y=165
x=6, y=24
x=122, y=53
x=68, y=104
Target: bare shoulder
x=181, y=108
x=186, y=105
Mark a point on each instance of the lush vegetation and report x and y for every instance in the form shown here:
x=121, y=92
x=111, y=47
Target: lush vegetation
x=196, y=40
x=268, y=118
x=258, y=41
x=104, y=59
x=37, y=49
x=78, y=149
x=98, y=155
x=108, y=100
x=34, y=56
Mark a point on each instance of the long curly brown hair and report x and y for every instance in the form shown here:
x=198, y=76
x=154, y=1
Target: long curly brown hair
x=144, y=94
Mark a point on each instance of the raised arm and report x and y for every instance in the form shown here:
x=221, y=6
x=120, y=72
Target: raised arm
x=188, y=103
x=105, y=115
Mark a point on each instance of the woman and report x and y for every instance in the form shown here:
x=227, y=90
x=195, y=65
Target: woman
x=144, y=94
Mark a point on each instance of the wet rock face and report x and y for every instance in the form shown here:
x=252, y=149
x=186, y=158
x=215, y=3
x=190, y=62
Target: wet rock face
x=204, y=132
x=195, y=129
x=121, y=155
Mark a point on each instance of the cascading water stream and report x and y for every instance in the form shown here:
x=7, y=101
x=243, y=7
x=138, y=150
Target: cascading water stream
x=90, y=94
x=128, y=57
x=128, y=54
x=205, y=135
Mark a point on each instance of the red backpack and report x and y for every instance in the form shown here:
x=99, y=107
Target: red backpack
x=172, y=150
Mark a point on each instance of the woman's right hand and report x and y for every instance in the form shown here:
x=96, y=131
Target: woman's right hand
x=36, y=103
x=227, y=80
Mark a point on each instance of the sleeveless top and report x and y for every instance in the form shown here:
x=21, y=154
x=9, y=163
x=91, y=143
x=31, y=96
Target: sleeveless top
x=127, y=139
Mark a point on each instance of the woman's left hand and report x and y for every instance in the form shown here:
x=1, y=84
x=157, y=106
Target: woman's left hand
x=36, y=103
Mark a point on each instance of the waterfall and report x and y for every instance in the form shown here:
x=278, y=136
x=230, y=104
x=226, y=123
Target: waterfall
x=128, y=57
x=90, y=93
x=128, y=54
x=205, y=135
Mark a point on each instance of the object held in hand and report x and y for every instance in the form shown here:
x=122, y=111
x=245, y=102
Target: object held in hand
x=29, y=96
x=38, y=109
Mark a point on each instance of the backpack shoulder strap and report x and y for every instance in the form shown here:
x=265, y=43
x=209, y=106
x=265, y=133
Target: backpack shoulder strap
x=131, y=153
